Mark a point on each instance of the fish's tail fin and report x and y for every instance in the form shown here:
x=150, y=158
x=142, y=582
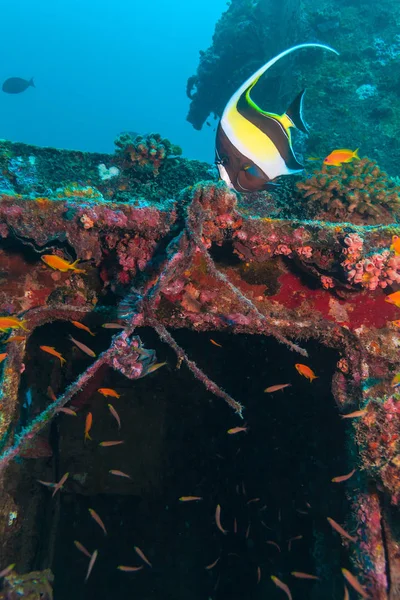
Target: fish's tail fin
x=295, y=112
x=355, y=154
x=22, y=325
x=31, y=82
x=73, y=267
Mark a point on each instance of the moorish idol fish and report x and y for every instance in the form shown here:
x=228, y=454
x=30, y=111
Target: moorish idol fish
x=253, y=146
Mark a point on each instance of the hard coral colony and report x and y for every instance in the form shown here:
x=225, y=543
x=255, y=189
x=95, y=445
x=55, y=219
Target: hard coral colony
x=207, y=261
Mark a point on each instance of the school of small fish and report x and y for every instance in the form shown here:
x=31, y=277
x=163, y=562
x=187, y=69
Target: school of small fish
x=10, y=323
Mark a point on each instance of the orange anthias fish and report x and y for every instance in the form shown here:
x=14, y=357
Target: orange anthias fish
x=215, y=343
x=190, y=498
x=119, y=473
x=234, y=430
x=88, y=425
x=82, y=549
x=155, y=367
x=57, y=486
x=355, y=414
x=306, y=371
x=3, y=356
x=394, y=299
x=212, y=565
x=218, y=519
x=276, y=388
x=282, y=586
x=80, y=325
x=354, y=583
x=395, y=247
x=98, y=520
x=91, y=564
x=340, y=156
x=114, y=414
x=11, y=323
x=293, y=539
x=272, y=543
x=83, y=347
x=301, y=575
x=111, y=443
x=53, y=351
x=109, y=392
x=60, y=264
x=67, y=411
x=51, y=394
x=340, y=530
x=142, y=555
x=343, y=477
x=60, y=484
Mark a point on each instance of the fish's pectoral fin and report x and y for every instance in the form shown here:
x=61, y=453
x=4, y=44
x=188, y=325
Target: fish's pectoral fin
x=270, y=185
x=295, y=112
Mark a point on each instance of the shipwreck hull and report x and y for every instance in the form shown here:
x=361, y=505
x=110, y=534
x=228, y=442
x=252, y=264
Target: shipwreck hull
x=231, y=297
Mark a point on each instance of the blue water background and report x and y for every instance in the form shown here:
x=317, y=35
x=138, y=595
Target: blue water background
x=102, y=67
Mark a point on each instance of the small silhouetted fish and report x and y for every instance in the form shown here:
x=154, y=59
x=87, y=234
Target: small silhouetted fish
x=16, y=85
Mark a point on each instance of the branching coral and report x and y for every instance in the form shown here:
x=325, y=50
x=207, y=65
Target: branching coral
x=357, y=192
x=147, y=153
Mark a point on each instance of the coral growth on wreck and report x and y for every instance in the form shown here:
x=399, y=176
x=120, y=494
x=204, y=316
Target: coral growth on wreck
x=378, y=435
x=357, y=192
x=146, y=152
x=203, y=260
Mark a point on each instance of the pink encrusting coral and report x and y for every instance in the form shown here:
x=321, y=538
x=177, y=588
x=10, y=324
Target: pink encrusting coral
x=134, y=253
x=376, y=270
x=305, y=251
x=327, y=282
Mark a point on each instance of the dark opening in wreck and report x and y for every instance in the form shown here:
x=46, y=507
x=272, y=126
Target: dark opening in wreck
x=273, y=482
